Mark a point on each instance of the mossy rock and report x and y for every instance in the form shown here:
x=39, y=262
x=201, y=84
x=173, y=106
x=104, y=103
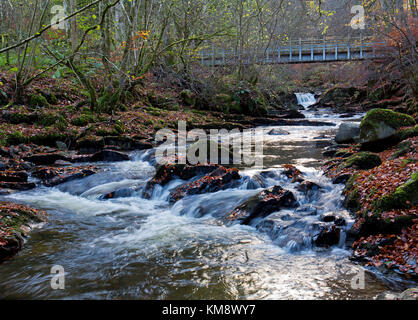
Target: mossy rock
x=83, y=120
x=46, y=119
x=402, y=149
x=407, y=133
x=188, y=97
x=375, y=224
x=223, y=98
x=403, y=198
x=380, y=124
x=337, y=96
x=38, y=100
x=343, y=153
x=15, y=138
x=352, y=201
x=363, y=160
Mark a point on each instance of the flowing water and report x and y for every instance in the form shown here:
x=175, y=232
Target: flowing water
x=133, y=248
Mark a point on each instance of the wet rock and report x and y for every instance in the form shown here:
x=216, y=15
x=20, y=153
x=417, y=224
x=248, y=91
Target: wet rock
x=62, y=163
x=170, y=172
x=21, y=186
x=255, y=182
x=14, y=176
x=292, y=173
x=341, y=179
x=278, y=132
x=220, y=179
x=127, y=143
x=328, y=236
x=307, y=186
x=329, y=153
x=12, y=246
x=343, y=153
x=261, y=205
x=61, y=146
x=294, y=114
x=15, y=221
x=109, y=156
x=45, y=158
x=54, y=176
x=27, y=165
x=120, y=193
x=348, y=132
x=3, y=166
x=332, y=217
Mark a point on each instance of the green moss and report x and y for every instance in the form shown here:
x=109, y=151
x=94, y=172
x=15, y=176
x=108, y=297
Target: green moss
x=82, y=120
x=407, y=133
x=188, y=97
x=46, y=119
x=352, y=200
x=350, y=183
x=38, y=100
x=393, y=119
x=15, y=138
x=119, y=128
x=363, y=160
x=48, y=138
x=17, y=118
x=403, y=198
x=61, y=124
x=403, y=148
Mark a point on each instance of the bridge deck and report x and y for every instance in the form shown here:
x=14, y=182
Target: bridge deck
x=304, y=51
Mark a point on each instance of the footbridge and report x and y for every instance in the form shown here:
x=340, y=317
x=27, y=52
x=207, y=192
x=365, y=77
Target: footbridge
x=296, y=51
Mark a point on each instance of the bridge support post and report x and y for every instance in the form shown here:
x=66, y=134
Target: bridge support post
x=324, y=53
x=336, y=51
x=361, y=47
x=213, y=55
x=300, y=49
x=312, y=51
x=279, y=55
x=290, y=50
x=348, y=52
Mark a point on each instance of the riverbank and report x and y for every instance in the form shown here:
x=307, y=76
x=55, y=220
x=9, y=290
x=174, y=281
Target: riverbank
x=380, y=176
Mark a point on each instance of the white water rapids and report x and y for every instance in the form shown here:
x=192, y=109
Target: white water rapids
x=133, y=248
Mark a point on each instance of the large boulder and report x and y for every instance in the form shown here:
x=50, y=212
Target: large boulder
x=261, y=205
x=379, y=126
x=348, y=132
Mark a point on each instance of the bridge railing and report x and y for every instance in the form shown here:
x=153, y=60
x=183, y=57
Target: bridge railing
x=294, y=51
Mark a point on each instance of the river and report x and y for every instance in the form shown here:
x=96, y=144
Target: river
x=133, y=248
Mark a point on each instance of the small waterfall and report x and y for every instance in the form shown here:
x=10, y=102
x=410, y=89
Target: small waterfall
x=305, y=99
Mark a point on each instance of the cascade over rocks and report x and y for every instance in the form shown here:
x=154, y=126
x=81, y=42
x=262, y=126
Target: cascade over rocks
x=168, y=172
x=51, y=176
x=220, y=179
x=261, y=205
